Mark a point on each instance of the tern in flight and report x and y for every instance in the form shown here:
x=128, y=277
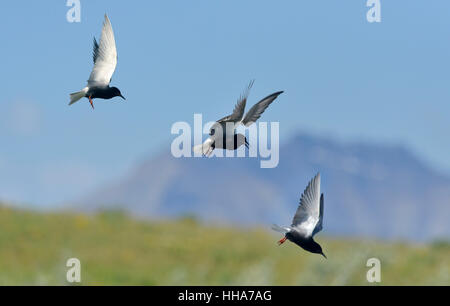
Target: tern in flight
x=307, y=220
x=222, y=134
x=105, y=62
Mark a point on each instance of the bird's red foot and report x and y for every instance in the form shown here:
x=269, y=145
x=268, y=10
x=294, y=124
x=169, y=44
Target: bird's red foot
x=92, y=103
x=282, y=241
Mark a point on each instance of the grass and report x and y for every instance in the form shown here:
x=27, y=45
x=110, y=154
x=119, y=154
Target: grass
x=115, y=249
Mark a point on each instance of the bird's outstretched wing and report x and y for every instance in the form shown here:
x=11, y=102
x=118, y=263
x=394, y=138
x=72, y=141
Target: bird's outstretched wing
x=256, y=111
x=105, y=57
x=239, y=109
x=318, y=227
x=95, y=51
x=308, y=215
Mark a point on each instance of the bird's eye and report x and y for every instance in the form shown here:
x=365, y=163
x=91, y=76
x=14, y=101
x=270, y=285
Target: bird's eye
x=212, y=132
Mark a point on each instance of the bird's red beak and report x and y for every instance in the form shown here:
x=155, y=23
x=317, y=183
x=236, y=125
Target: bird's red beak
x=281, y=241
x=90, y=101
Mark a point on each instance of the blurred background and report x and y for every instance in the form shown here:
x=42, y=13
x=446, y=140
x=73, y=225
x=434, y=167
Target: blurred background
x=365, y=104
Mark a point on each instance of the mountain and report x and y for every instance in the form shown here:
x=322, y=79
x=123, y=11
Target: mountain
x=370, y=190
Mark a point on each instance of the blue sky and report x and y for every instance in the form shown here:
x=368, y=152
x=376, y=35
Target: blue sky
x=386, y=82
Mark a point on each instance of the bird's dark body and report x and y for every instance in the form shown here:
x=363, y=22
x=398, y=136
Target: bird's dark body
x=103, y=92
x=308, y=244
x=230, y=144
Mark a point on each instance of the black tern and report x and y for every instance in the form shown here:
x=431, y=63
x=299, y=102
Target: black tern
x=307, y=220
x=105, y=62
x=222, y=134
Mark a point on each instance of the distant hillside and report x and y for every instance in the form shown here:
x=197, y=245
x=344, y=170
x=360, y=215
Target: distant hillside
x=117, y=250
x=370, y=190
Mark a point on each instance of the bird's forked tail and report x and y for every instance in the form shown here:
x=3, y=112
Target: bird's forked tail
x=74, y=97
x=205, y=148
x=280, y=229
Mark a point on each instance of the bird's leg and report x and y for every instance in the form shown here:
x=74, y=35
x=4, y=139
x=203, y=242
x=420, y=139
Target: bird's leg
x=282, y=241
x=92, y=103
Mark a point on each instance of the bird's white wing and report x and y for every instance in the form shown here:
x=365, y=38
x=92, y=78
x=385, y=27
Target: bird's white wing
x=105, y=57
x=308, y=212
x=256, y=111
x=239, y=109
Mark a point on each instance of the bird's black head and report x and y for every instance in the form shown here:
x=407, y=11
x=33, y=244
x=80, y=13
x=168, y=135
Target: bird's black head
x=116, y=92
x=316, y=248
x=216, y=130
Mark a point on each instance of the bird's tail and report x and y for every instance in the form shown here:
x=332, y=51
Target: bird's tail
x=280, y=229
x=204, y=148
x=74, y=97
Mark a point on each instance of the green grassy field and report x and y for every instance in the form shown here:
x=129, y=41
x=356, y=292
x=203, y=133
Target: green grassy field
x=118, y=250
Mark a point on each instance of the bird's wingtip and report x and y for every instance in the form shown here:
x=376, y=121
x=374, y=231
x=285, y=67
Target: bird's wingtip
x=107, y=19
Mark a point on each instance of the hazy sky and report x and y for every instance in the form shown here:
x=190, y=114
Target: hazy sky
x=342, y=76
